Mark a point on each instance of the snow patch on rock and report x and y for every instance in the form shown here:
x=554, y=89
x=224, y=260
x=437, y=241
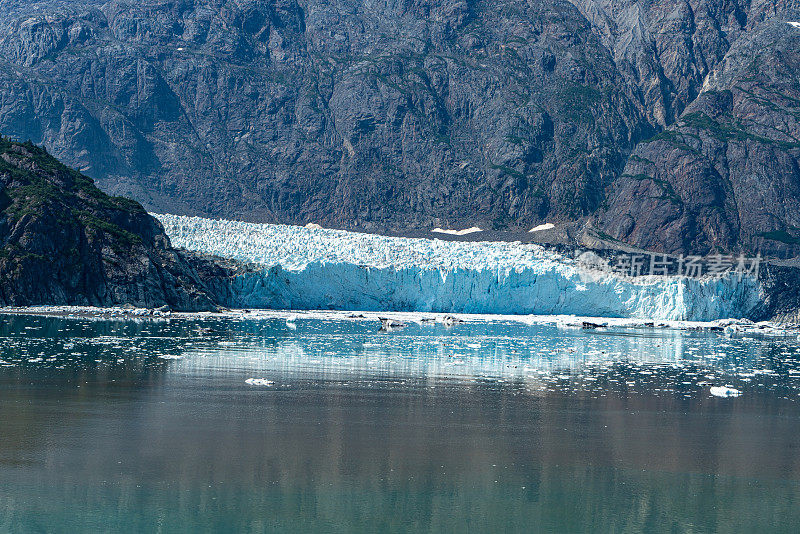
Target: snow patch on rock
x=473, y=230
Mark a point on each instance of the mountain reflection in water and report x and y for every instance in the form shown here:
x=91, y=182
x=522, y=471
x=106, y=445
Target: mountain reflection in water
x=136, y=426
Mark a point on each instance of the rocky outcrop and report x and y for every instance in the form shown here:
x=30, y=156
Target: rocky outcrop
x=666, y=124
x=725, y=176
x=781, y=298
x=63, y=241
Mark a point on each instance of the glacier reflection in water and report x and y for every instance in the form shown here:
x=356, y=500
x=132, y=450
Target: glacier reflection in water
x=330, y=425
x=532, y=357
x=535, y=357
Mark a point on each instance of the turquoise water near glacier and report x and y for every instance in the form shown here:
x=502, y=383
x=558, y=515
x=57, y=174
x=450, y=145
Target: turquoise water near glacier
x=148, y=426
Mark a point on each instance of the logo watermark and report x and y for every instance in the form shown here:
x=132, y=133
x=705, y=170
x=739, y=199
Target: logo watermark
x=633, y=265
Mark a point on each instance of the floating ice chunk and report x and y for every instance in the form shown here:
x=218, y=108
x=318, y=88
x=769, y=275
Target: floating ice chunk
x=387, y=324
x=568, y=322
x=170, y=357
x=546, y=226
x=258, y=382
x=449, y=321
x=725, y=391
x=794, y=24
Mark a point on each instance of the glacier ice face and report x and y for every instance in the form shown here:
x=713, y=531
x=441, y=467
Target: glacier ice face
x=310, y=268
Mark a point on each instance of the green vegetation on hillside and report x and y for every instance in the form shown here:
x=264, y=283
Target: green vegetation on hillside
x=36, y=181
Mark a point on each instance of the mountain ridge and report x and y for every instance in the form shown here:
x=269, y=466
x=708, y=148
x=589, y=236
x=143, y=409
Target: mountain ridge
x=403, y=116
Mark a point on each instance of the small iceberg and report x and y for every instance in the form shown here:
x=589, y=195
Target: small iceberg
x=725, y=391
x=450, y=321
x=387, y=325
x=259, y=382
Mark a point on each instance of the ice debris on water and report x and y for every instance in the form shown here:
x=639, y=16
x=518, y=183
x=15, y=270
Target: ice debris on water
x=334, y=269
x=523, y=352
x=725, y=391
x=387, y=324
x=258, y=382
x=170, y=357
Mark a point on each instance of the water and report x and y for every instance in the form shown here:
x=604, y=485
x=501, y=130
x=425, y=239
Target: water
x=486, y=427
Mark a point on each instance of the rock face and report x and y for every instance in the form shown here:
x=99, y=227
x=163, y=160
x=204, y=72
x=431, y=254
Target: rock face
x=725, y=175
x=63, y=241
x=666, y=124
x=781, y=300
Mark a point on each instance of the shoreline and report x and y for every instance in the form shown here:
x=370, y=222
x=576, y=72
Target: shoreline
x=404, y=318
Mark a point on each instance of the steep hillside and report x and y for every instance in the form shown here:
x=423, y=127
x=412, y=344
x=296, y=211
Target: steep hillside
x=403, y=115
x=63, y=241
x=727, y=173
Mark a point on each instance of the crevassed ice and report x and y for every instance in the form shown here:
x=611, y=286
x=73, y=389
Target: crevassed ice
x=333, y=269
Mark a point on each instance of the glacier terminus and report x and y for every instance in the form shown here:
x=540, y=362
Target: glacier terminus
x=312, y=268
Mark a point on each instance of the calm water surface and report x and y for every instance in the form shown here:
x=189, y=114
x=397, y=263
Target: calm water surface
x=484, y=427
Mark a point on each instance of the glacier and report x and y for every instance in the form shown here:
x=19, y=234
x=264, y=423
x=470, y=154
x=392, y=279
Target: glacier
x=304, y=268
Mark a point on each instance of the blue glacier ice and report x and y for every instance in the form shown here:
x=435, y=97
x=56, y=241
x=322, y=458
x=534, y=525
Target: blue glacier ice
x=312, y=268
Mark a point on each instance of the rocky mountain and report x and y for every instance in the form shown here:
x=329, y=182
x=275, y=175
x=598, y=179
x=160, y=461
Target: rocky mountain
x=725, y=174
x=663, y=124
x=63, y=241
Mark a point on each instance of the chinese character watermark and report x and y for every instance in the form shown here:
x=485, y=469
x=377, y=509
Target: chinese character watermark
x=632, y=265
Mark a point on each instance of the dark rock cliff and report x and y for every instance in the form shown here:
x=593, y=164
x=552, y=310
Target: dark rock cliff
x=725, y=175
x=781, y=301
x=63, y=241
x=665, y=124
